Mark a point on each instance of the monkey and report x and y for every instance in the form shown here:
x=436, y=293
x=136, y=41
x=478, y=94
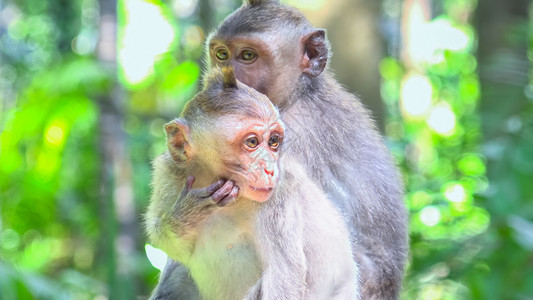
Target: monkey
x=244, y=221
x=276, y=50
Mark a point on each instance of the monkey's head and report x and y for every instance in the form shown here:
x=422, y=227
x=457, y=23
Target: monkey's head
x=271, y=46
x=229, y=131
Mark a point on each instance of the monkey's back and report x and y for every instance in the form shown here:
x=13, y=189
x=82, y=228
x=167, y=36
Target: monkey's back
x=332, y=135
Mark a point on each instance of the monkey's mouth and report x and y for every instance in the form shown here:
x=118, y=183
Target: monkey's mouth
x=261, y=189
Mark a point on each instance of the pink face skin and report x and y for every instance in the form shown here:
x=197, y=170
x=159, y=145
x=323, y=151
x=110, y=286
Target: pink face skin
x=256, y=144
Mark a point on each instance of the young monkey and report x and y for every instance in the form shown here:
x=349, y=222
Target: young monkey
x=245, y=222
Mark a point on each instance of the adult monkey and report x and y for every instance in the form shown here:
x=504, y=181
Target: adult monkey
x=275, y=49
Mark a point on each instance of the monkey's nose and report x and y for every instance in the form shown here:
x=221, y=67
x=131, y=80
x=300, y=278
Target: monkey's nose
x=269, y=172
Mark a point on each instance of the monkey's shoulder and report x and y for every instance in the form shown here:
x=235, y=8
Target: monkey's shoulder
x=164, y=163
x=298, y=188
x=293, y=171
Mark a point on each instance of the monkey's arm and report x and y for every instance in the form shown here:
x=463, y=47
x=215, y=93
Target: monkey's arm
x=175, y=283
x=332, y=272
x=176, y=210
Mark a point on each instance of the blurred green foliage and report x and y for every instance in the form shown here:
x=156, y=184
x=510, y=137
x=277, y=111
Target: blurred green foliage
x=59, y=237
x=467, y=158
x=467, y=161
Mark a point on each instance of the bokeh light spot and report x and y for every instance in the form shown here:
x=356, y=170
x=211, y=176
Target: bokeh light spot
x=430, y=216
x=55, y=135
x=455, y=192
x=184, y=8
x=442, y=120
x=18, y=29
x=9, y=239
x=147, y=33
x=471, y=164
x=416, y=95
x=445, y=36
x=83, y=44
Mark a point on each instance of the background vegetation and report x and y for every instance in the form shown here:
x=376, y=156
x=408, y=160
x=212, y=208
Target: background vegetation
x=86, y=85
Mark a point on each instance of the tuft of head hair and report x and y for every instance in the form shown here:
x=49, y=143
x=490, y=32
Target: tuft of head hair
x=259, y=16
x=259, y=2
x=228, y=75
x=223, y=95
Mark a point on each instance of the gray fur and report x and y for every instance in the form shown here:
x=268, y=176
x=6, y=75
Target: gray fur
x=258, y=2
x=332, y=135
x=301, y=240
x=293, y=246
x=175, y=272
x=258, y=18
x=304, y=221
x=357, y=173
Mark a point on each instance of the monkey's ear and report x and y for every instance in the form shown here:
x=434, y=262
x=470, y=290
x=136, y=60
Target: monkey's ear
x=315, y=52
x=228, y=74
x=178, y=140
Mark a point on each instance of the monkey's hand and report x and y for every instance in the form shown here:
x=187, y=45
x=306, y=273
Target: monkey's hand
x=221, y=192
x=193, y=205
x=175, y=230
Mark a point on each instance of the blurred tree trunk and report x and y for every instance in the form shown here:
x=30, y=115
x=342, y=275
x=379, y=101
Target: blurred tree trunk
x=507, y=114
x=206, y=15
x=503, y=62
x=118, y=210
x=358, y=47
x=504, y=67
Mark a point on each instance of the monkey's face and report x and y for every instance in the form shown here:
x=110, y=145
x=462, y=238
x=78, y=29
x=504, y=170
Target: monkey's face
x=260, y=62
x=255, y=145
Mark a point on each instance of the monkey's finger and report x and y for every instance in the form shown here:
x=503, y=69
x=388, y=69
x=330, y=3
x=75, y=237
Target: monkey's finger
x=209, y=190
x=223, y=191
x=188, y=185
x=190, y=181
x=230, y=197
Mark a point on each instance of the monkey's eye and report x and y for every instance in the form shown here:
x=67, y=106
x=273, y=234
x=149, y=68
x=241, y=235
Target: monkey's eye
x=248, y=55
x=251, y=142
x=274, y=141
x=222, y=54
